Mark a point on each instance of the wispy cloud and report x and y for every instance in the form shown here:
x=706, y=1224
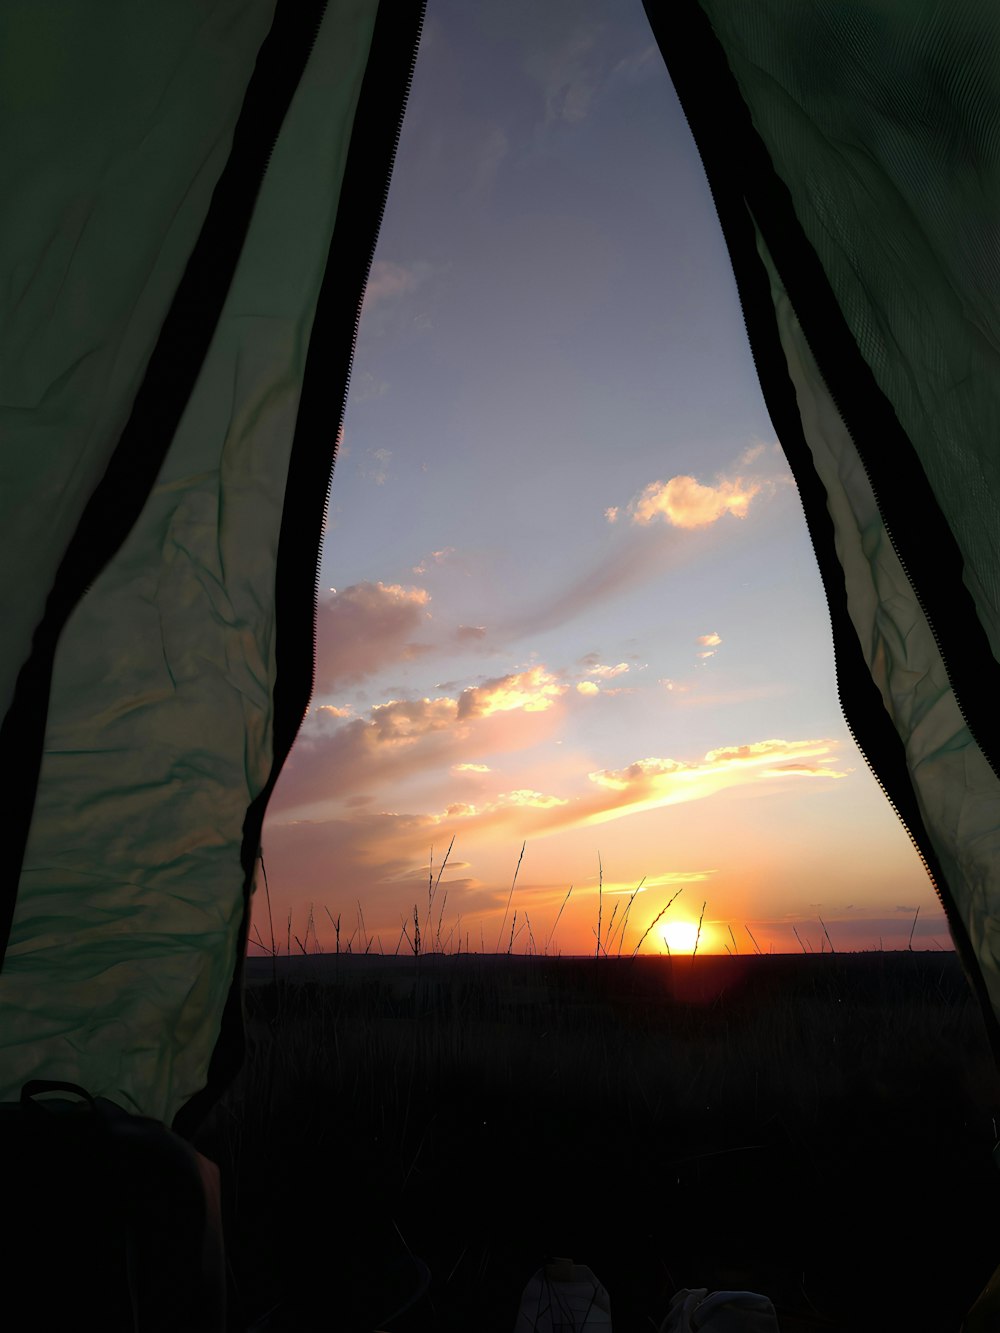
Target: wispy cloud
x=568, y=74
x=488, y=158
x=470, y=768
x=638, y=556
x=709, y=640
x=650, y=783
x=364, y=627
x=378, y=845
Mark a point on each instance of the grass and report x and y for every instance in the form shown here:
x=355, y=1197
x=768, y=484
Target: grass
x=724, y=1121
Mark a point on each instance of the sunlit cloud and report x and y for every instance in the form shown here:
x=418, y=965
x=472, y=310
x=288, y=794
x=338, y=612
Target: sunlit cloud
x=522, y=799
x=675, y=686
x=611, y=513
x=638, y=772
x=364, y=627
x=684, y=502
x=525, y=797
x=534, y=691
x=708, y=640
x=662, y=881
x=588, y=687
x=752, y=453
x=608, y=672
x=378, y=845
x=402, y=737
x=758, y=750
x=404, y=721
x=435, y=558
x=650, y=783
x=331, y=713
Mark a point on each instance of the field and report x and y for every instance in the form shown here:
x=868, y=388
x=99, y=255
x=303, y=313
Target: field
x=783, y=1124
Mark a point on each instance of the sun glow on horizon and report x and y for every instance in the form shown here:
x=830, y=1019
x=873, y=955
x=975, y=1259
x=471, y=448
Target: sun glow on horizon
x=680, y=936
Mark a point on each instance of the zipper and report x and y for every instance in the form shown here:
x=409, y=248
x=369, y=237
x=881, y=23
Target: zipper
x=840, y=699
x=946, y=907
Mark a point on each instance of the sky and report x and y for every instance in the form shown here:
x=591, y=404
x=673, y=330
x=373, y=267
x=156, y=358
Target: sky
x=570, y=623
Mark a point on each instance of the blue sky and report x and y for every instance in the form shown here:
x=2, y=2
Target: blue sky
x=569, y=599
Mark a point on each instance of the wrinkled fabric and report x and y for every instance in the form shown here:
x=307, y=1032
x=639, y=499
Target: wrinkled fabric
x=131, y=900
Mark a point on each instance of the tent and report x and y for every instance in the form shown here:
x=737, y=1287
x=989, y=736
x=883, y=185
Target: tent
x=192, y=198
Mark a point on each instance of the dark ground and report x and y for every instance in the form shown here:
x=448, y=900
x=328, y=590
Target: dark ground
x=817, y=1128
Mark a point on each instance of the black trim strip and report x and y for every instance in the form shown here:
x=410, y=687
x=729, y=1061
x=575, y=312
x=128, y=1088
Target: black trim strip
x=735, y=160
x=183, y=342
x=377, y=123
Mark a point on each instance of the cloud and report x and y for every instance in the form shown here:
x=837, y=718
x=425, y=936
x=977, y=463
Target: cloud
x=488, y=157
x=435, y=558
x=404, y=737
x=639, y=556
x=388, y=280
x=611, y=513
x=684, y=502
x=607, y=672
x=534, y=691
x=363, y=628
x=464, y=633
x=638, y=772
x=405, y=721
x=588, y=687
x=663, y=881
x=708, y=640
x=377, y=847
x=525, y=797
x=567, y=75
x=757, y=750
x=650, y=783
x=377, y=470
x=752, y=452
x=329, y=712
x=635, y=67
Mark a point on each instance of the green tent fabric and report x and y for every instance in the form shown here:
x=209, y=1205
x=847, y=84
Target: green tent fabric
x=196, y=194
x=852, y=154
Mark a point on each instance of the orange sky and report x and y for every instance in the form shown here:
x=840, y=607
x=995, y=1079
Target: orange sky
x=567, y=595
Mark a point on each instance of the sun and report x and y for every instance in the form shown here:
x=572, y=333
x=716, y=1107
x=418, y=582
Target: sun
x=680, y=936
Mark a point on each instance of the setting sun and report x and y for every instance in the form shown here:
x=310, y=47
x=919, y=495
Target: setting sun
x=680, y=936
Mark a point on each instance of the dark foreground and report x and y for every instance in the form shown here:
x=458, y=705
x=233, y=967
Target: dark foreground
x=784, y=1124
